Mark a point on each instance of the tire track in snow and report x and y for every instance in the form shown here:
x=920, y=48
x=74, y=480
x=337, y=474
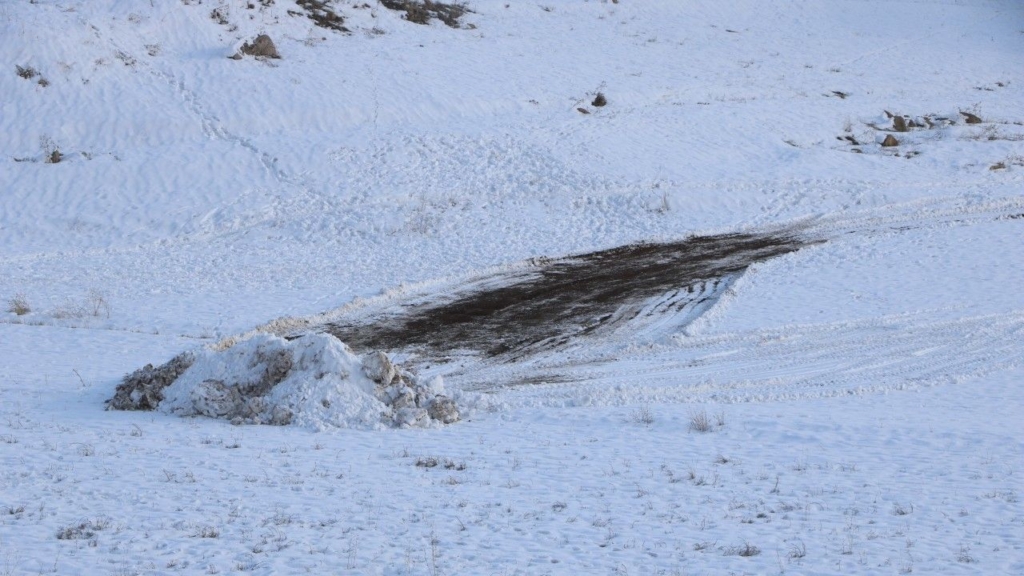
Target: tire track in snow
x=792, y=362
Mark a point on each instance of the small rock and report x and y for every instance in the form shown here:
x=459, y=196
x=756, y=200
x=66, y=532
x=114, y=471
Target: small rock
x=600, y=100
x=971, y=118
x=261, y=47
x=890, y=141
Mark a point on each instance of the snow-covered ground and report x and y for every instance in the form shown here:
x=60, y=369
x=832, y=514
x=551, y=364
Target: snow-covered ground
x=862, y=394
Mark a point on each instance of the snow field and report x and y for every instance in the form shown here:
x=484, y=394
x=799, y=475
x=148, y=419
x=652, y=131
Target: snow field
x=869, y=386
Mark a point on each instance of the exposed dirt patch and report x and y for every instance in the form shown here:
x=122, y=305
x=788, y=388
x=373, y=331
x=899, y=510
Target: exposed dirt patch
x=322, y=13
x=561, y=299
x=421, y=12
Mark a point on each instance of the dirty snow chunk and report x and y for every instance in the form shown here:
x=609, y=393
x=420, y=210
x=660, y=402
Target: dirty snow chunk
x=261, y=47
x=443, y=409
x=378, y=367
x=143, y=388
x=314, y=381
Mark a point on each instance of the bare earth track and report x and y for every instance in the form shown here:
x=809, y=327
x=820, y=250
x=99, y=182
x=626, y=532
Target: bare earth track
x=508, y=318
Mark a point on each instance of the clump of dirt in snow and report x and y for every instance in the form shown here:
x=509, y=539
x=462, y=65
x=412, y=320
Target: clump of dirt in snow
x=313, y=381
x=421, y=12
x=261, y=47
x=144, y=388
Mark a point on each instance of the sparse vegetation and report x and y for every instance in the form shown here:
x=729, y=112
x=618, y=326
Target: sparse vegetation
x=642, y=415
x=745, y=550
x=94, y=304
x=51, y=153
x=963, y=555
x=18, y=305
x=429, y=462
x=797, y=550
x=700, y=421
x=206, y=532
x=900, y=510
x=84, y=530
x=422, y=12
x=323, y=15
x=26, y=72
x=450, y=464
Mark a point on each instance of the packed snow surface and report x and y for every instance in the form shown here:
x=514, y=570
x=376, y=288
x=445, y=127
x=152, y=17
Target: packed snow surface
x=846, y=404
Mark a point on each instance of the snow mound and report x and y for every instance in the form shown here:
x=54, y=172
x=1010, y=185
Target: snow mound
x=314, y=381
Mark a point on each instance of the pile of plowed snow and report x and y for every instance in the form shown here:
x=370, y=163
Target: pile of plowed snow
x=314, y=381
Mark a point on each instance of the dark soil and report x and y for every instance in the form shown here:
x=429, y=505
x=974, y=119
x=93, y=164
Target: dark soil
x=562, y=298
x=323, y=15
x=421, y=12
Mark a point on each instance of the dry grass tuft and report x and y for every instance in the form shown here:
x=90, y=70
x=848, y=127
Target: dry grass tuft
x=18, y=305
x=700, y=421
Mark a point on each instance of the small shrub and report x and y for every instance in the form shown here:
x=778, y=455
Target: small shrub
x=900, y=510
x=450, y=464
x=745, y=550
x=642, y=415
x=19, y=305
x=26, y=72
x=797, y=550
x=426, y=462
x=700, y=421
x=207, y=532
x=963, y=556
x=82, y=531
x=96, y=304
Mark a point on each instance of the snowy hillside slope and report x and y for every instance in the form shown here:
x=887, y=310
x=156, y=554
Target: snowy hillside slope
x=398, y=149
x=860, y=394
